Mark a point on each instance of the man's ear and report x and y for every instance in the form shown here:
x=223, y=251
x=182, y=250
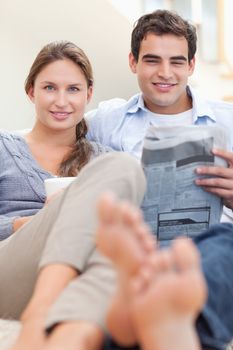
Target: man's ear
x=132, y=63
x=31, y=94
x=192, y=65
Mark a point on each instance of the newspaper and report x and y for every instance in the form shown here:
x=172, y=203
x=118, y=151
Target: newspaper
x=173, y=204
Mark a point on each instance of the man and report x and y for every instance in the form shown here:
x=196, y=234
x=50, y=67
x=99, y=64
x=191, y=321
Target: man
x=163, y=48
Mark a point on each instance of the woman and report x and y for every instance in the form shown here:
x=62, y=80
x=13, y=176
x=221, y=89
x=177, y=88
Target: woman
x=53, y=278
x=60, y=85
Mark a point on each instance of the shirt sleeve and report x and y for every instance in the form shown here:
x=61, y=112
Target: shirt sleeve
x=92, y=123
x=6, y=226
x=102, y=120
x=98, y=149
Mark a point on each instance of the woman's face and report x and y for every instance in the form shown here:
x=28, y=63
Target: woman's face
x=60, y=94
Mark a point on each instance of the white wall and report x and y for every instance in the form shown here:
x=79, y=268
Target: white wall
x=131, y=9
x=94, y=25
x=228, y=10
x=98, y=28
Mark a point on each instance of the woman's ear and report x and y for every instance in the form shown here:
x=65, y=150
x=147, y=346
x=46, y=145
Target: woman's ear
x=89, y=93
x=31, y=94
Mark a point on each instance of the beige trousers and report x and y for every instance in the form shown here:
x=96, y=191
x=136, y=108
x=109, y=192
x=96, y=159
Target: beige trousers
x=64, y=232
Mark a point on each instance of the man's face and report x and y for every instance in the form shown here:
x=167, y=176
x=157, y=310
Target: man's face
x=163, y=70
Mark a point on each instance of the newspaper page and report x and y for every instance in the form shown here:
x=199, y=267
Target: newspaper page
x=173, y=204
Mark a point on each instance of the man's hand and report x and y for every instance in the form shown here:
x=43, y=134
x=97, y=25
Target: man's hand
x=221, y=181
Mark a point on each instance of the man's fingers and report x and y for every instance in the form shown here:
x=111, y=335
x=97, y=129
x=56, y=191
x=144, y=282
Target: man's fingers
x=221, y=192
x=228, y=156
x=226, y=173
x=217, y=182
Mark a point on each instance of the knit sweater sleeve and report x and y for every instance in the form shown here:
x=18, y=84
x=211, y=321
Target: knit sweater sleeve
x=6, y=222
x=18, y=183
x=6, y=226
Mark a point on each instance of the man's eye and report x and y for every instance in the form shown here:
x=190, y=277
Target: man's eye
x=178, y=63
x=151, y=61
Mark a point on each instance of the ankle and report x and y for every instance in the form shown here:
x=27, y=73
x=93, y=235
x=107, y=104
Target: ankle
x=77, y=334
x=33, y=313
x=164, y=336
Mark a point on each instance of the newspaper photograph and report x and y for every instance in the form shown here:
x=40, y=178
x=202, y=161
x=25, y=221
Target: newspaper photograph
x=173, y=204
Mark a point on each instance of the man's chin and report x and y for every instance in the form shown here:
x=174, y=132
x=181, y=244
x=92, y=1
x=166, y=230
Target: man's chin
x=163, y=103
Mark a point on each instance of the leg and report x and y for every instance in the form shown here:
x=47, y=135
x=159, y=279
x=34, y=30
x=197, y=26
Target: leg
x=91, y=288
x=32, y=334
x=68, y=239
x=125, y=239
x=20, y=275
x=215, y=323
x=20, y=255
x=165, y=302
x=77, y=335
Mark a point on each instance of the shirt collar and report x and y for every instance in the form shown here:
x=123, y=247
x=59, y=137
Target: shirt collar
x=136, y=103
x=201, y=109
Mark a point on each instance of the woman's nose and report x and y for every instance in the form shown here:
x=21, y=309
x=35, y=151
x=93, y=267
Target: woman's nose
x=61, y=99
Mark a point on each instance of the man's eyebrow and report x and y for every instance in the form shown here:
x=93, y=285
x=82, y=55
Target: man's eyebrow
x=178, y=58
x=157, y=57
x=151, y=56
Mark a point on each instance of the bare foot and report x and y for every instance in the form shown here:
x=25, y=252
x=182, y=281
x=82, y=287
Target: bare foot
x=166, y=301
x=122, y=235
x=125, y=239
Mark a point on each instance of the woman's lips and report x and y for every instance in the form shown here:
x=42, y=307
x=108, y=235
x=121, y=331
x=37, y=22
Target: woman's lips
x=60, y=115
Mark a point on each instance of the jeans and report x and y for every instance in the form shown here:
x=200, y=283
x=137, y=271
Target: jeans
x=215, y=323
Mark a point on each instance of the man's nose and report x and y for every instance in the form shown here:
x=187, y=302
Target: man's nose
x=165, y=70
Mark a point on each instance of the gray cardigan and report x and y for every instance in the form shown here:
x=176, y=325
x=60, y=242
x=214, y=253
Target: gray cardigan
x=22, y=191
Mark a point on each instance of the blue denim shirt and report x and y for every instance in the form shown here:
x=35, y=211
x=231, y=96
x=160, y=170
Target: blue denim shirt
x=122, y=124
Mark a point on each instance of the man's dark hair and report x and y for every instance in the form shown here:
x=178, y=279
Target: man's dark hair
x=163, y=22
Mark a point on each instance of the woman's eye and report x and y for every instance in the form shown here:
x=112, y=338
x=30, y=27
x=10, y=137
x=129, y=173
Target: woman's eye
x=73, y=89
x=49, y=87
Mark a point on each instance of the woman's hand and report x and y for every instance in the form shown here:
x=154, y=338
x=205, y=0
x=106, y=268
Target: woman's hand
x=20, y=222
x=53, y=196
